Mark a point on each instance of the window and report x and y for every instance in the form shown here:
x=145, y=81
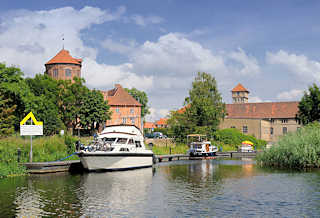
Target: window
x=55, y=73
x=272, y=120
x=131, y=142
x=245, y=129
x=271, y=131
x=138, y=144
x=117, y=110
x=284, y=121
x=68, y=72
x=131, y=110
x=284, y=130
x=132, y=120
x=232, y=127
x=121, y=141
x=238, y=93
x=124, y=120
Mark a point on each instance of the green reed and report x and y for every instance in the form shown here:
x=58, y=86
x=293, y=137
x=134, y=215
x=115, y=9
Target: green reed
x=295, y=150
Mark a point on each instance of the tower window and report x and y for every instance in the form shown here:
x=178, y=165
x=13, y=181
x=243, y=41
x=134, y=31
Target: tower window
x=68, y=72
x=55, y=73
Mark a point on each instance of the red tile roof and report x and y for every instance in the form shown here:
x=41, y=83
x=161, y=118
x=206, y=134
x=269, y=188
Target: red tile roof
x=263, y=110
x=149, y=125
x=162, y=121
x=120, y=97
x=64, y=57
x=239, y=88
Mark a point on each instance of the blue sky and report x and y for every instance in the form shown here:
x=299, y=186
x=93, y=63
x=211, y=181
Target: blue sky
x=271, y=47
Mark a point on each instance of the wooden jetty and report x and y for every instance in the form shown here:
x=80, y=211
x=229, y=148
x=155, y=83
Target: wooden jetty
x=170, y=157
x=236, y=154
x=53, y=167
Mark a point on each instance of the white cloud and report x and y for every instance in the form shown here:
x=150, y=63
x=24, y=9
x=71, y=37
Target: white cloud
x=125, y=46
x=173, y=54
x=146, y=20
x=255, y=99
x=300, y=65
x=105, y=76
x=249, y=64
x=156, y=114
x=294, y=94
x=35, y=36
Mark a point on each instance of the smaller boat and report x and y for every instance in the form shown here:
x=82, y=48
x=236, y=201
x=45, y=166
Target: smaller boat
x=246, y=146
x=200, y=146
x=117, y=147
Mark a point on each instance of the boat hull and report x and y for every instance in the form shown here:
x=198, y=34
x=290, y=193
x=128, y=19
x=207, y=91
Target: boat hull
x=95, y=161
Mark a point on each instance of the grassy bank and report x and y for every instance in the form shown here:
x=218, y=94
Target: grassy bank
x=50, y=148
x=178, y=149
x=295, y=150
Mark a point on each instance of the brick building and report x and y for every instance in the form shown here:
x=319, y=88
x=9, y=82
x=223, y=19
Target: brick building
x=63, y=66
x=162, y=123
x=266, y=120
x=125, y=109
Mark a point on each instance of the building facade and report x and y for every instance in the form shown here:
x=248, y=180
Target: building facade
x=63, y=66
x=266, y=120
x=125, y=109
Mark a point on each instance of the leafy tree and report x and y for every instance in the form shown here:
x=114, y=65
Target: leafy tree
x=142, y=98
x=6, y=116
x=309, y=106
x=203, y=109
x=16, y=90
x=70, y=100
x=94, y=111
x=45, y=108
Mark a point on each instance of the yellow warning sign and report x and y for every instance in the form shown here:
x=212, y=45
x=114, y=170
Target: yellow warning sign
x=30, y=115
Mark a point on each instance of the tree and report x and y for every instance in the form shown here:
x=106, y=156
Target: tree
x=70, y=100
x=14, y=87
x=142, y=98
x=6, y=116
x=45, y=107
x=94, y=111
x=309, y=106
x=203, y=109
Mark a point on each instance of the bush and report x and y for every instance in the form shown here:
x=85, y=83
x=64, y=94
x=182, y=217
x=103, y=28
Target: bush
x=232, y=138
x=295, y=150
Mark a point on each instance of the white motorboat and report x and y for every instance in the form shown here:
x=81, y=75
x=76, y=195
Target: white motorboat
x=118, y=147
x=200, y=146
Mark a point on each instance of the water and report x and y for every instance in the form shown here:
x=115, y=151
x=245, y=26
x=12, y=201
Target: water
x=209, y=188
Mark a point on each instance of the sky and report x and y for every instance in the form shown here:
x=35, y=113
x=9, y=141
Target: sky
x=270, y=47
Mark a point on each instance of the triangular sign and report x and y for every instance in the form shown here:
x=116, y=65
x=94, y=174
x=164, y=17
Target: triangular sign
x=30, y=115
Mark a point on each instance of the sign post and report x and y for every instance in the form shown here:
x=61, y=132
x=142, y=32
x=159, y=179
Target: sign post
x=31, y=130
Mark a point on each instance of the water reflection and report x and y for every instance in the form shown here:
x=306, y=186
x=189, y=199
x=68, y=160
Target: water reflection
x=206, y=188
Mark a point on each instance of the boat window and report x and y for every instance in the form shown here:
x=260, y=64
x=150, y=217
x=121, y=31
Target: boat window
x=130, y=142
x=122, y=141
x=138, y=144
x=124, y=149
x=109, y=140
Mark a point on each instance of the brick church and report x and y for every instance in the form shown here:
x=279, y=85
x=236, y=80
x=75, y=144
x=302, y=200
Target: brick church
x=125, y=109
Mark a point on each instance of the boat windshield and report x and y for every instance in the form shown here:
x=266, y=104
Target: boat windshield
x=122, y=140
x=110, y=140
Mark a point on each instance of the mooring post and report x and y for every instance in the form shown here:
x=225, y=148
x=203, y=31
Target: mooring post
x=19, y=154
x=170, y=149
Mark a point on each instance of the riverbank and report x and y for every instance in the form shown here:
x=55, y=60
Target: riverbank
x=15, y=150
x=296, y=150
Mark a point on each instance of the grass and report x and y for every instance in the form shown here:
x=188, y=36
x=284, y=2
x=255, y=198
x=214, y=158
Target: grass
x=178, y=149
x=295, y=150
x=48, y=148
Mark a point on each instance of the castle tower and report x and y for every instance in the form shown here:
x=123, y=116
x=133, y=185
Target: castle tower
x=239, y=94
x=63, y=66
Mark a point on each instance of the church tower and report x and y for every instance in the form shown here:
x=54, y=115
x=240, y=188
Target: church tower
x=63, y=66
x=239, y=94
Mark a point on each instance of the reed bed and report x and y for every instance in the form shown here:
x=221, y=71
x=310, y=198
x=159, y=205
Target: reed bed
x=296, y=150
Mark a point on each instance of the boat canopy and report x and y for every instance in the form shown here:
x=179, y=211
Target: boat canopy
x=247, y=143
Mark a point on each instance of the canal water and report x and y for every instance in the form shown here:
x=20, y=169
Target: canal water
x=208, y=188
